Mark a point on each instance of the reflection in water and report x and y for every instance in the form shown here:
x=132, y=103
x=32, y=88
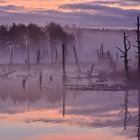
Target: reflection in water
x=127, y=115
x=64, y=101
x=138, y=133
x=87, y=109
x=50, y=78
x=24, y=83
x=63, y=93
x=40, y=81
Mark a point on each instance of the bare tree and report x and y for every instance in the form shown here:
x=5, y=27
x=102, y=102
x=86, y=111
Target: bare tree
x=28, y=55
x=138, y=43
x=63, y=60
x=38, y=55
x=124, y=52
x=100, y=53
x=76, y=57
x=11, y=54
x=91, y=70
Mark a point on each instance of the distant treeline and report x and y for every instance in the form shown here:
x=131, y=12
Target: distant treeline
x=42, y=40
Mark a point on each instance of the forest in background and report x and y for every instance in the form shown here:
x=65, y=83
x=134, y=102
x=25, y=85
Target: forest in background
x=53, y=43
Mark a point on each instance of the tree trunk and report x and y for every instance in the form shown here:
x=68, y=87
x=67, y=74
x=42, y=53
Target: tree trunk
x=138, y=132
x=63, y=57
x=11, y=56
x=28, y=53
x=138, y=41
x=76, y=58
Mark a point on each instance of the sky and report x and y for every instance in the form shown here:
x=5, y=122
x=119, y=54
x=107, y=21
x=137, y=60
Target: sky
x=82, y=13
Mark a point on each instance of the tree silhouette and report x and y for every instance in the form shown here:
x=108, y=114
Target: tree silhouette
x=138, y=43
x=57, y=36
x=125, y=52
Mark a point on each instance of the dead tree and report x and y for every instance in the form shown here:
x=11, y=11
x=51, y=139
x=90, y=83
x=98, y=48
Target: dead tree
x=91, y=70
x=124, y=52
x=28, y=55
x=76, y=58
x=138, y=43
x=100, y=53
x=38, y=56
x=63, y=61
x=11, y=55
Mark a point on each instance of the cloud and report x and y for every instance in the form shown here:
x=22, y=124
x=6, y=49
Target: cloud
x=12, y=7
x=119, y=2
x=81, y=14
x=101, y=9
x=104, y=14
x=2, y=1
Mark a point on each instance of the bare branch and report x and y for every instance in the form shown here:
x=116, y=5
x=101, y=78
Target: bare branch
x=129, y=44
x=135, y=46
x=120, y=50
x=122, y=57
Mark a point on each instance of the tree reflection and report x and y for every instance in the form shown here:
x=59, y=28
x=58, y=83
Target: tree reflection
x=24, y=83
x=138, y=131
x=64, y=94
x=64, y=99
x=40, y=81
x=127, y=115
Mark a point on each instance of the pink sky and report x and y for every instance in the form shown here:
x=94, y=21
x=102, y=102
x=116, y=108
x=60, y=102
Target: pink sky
x=84, y=13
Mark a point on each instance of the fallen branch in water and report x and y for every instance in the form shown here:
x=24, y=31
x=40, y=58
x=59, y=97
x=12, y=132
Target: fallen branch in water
x=6, y=74
x=98, y=87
